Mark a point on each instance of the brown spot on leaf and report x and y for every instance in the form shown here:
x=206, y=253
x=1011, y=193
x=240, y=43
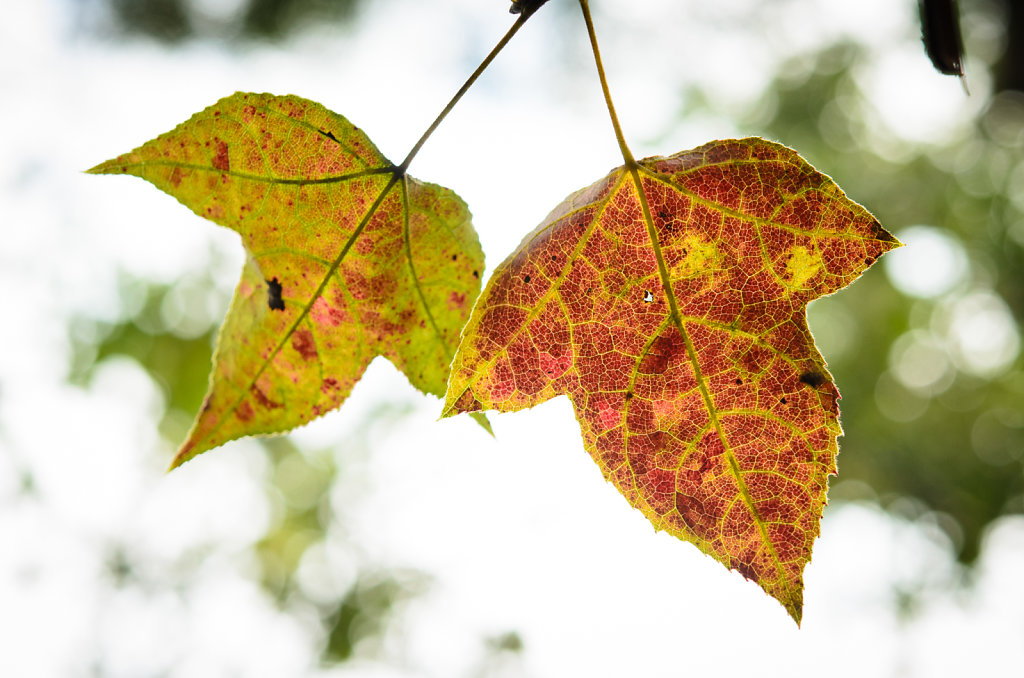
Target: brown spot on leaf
x=467, y=402
x=244, y=412
x=221, y=160
x=176, y=176
x=303, y=343
x=262, y=398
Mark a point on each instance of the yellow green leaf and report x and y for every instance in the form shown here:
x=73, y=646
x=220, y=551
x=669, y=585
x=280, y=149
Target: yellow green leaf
x=347, y=258
x=668, y=301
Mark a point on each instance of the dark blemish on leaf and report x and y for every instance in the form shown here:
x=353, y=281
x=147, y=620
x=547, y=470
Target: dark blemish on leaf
x=476, y=274
x=869, y=261
x=629, y=395
x=589, y=289
x=221, y=161
x=648, y=297
x=553, y=257
x=329, y=135
x=782, y=400
x=664, y=215
x=746, y=569
x=813, y=379
x=881, y=234
x=454, y=257
x=207, y=404
x=244, y=412
x=526, y=278
x=304, y=345
x=262, y=398
x=739, y=381
x=274, y=300
x=684, y=252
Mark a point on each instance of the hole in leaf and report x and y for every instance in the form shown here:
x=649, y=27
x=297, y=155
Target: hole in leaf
x=274, y=300
x=526, y=278
x=648, y=297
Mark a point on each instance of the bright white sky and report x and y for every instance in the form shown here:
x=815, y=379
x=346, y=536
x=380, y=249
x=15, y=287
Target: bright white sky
x=519, y=533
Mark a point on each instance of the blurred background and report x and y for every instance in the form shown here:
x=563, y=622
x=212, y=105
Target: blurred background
x=381, y=542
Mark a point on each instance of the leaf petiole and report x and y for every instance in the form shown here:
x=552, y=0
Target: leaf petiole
x=627, y=155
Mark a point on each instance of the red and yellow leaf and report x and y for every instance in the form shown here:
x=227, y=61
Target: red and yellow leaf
x=347, y=259
x=669, y=304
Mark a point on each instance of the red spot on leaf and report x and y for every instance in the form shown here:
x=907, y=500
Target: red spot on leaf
x=457, y=300
x=324, y=314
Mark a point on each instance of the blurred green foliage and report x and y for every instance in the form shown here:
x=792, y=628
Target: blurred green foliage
x=176, y=352
x=172, y=21
x=922, y=419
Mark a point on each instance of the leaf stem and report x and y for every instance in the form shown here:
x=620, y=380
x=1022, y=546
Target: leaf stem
x=522, y=19
x=627, y=155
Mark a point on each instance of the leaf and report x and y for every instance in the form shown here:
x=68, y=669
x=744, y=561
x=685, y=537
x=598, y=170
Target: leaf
x=347, y=258
x=675, y=320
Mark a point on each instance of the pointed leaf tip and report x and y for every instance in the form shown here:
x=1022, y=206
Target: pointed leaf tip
x=670, y=306
x=485, y=423
x=345, y=260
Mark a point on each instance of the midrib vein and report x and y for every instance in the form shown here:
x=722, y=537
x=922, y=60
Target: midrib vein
x=309, y=305
x=691, y=353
